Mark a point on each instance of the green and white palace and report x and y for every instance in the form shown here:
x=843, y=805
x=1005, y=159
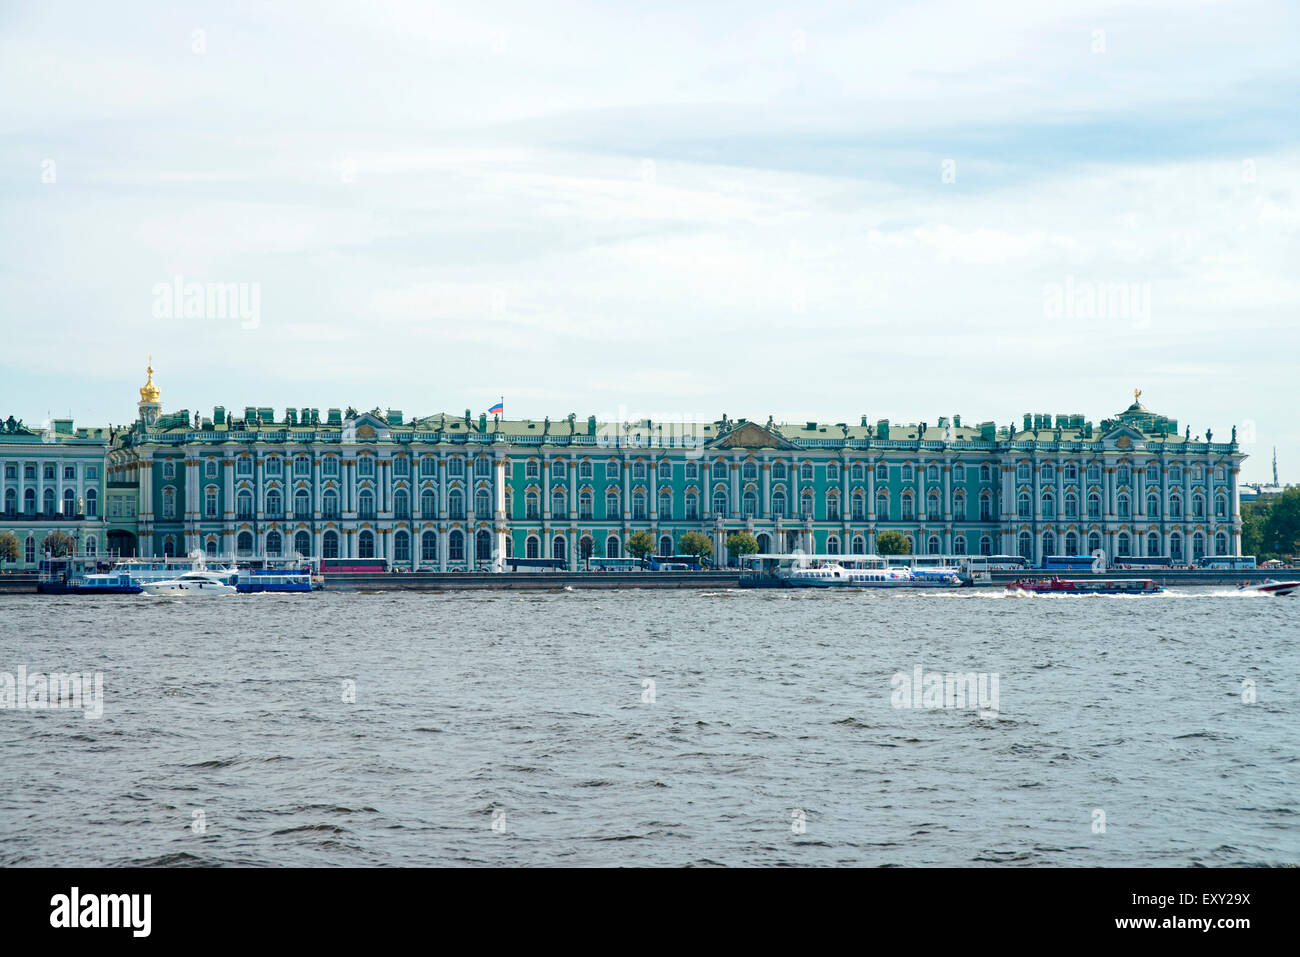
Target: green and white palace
x=449, y=492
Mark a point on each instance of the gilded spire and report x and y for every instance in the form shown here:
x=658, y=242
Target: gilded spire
x=1137, y=394
x=150, y=392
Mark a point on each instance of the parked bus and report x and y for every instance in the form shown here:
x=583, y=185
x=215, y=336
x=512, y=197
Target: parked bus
x=352, y=566
x=998, y=563
x=536, y=565
x=665, y=563
x=1227, y=561
x=598, y=564
x=1070, y=563
x=1145, y=561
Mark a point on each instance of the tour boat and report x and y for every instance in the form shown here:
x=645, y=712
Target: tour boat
x=818, y=575
x=91, y=576
x=1270, y=586
x=1079, y=586
x=202, y=584
x=274, y=579
x=905, y=578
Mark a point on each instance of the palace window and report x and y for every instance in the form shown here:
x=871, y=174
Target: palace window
x=1153, y=506
x=1049, y=472
x=665, y=505
x=638, y=470
x=612, y=547
x=1122, y=545
x=882, y=507
x=832, y=545
x=456, y=546
x=1022, y=472
x=401, y=504
x=908, y=511
x=720, y=503
x=1022, y=505
x=456, y=505
x=29, y=472
x=986, y=474
x=1071, y=544
x=584, y=469
x=429, y=547
x=11, y=471
x=908, y=472
x=806, y=505
x=1198, y=506
x=1176, y=546
x=1123, y=475
x=532, y=547
x=532, y=469
x=832, y=471
x=584, y=506
x=959, y=507
x=273, y=544
x=692, y=507
x=302, y=504
x=456, y=469
x=1221, y=544
x=532, y=506
x=749, y=472
x=1070, y=472
x=169, y=470
x=959, y=545
x=859, y=507
x=855, y=472
x=665, y=545
x=1153, y=544
x=483, y=503
x=558, y=469
x=330, y=465
x=612, y=510
x=778, y=470
x=92, y=471
x=638, y=507
x=329, y=504
x=778, y=505
x=1049, y=505
x=882, y=472
x=1094, y=505
x=428, y=503
x=92, y=504
x=832, y=509
x=366, y=544
x=169, y=503
x=935, y=547
x=859, y=545
x=244, y=505
x=719, y=470
x=210, y=503
x=1049, y=543
x=29, y=550
x=1122, y=507
x=1176, y=473
x=365, y=465
x=959, y=473
x=1025, y=545
x=302, y=466
x=274, y=505
x=986, y=545
x=559, y=503
x=210, y=468
x=483, y=546
x=932, y=473
x=1094, y=473
x=482, y=467
x=806, y=472
x=401, y=547
x=329, y=544
x=932, y=506
x=1221, y=506
x=401, y=466
x=692, y=470
x=273, y=465
x=1175, y=506
x=428, y=466
x=244, y=465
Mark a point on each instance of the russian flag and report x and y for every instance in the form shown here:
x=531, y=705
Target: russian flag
x=499, y=408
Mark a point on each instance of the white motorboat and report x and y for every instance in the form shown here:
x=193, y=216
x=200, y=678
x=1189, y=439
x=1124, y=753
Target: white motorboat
x=201, y=584
x=1270, y=586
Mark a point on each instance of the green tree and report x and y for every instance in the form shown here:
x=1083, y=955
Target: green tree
x=1282, y=528
x=9, y=550
x=740, y=544
x=640, y=544
x=893, y=543
x=585, y=548
x=1254, y=516
x=697, y=544
x=57, y=544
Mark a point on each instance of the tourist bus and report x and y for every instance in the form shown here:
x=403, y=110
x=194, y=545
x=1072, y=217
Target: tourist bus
x=598, y=564
x=1235, y=562
x=352, y=566
x=1069, y=563
x=513, y=564
x=676, y=563
x=998, y=563
x=1145, y=561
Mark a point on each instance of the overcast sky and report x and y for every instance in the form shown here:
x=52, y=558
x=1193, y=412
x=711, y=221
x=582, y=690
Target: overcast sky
x=903, y=210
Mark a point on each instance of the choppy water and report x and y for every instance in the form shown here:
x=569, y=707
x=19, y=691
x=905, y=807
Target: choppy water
x=765, y=704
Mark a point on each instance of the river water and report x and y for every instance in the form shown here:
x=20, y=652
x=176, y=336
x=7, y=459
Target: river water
x=655, y=728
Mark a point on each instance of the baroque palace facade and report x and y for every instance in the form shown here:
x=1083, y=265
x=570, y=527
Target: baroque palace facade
x=448, y=492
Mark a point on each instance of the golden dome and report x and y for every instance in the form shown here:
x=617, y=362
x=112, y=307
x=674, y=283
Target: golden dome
x=150, y=392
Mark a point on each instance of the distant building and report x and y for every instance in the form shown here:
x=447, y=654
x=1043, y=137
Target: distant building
x=445, y=491
x=52, y=481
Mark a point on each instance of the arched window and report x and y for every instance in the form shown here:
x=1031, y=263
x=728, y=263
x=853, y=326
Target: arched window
x=1123, y=547
x=1220, y=506
x=456, y=546
x=302, y=504
x=1049, y=543
x=1094, y=542
x=612, y=547
x=778, y=469
x=1175, y=506
x=482, y=467
x=882, y=506
x=932, y=503
x=244, y=544
x=749, y=503
x=586, y=547
x=859, y=506
x=832, y=471
x=985, y=475
x=778, y=504
x=456, y=504
x=665, y=504
x=585, y=505
x=1153, y=544
x=832, y=545
x=638, y=506
x=169, y=547
x=882, y=472
x=401, y=504
x=959, y=545
x=559, y=503
x=69, y=502
x=692, y=506
x=168, y=502
x=483, y=544
x=719, y=470
x=665, y=545
x=329, y=547
x=1198, y=546
x=273, y=545
x=1022, y=505
x=366, y=544
x=959, y=509
x=934, y=547
x=909, y=511
x=611, y=505
x=366, y=504
x=1153, y=506
x=806, y=506
x=932, y=473
x=1071, y=544
x=532, y=506
x=209, y=547
x=429, y=547
x=1122, y=506
x=366, y=465
x=806, y=472
x=558, y=550
x=859, y=546
x=302, y=543
x=428, y=503
x=483, y=502
x=92, y=503
x=986, y=543
x=532, y=547
x=1049, y=505
x=274, y=504
x=1221, y=544
x=1025, y=545
x=1094, y=505
x=720, y=503
x=401, y=465
x=401, y=546
x=1198, y=506
x=329, y=504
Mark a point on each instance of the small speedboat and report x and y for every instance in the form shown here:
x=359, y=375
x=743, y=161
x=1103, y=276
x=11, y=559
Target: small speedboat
x=201, y=584
x=1270, y=586
x=1078, y=586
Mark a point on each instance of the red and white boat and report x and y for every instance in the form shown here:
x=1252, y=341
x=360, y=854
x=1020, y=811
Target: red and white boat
x=1270, y=587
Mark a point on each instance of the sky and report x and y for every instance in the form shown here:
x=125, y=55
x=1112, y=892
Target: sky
x=810, y=211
